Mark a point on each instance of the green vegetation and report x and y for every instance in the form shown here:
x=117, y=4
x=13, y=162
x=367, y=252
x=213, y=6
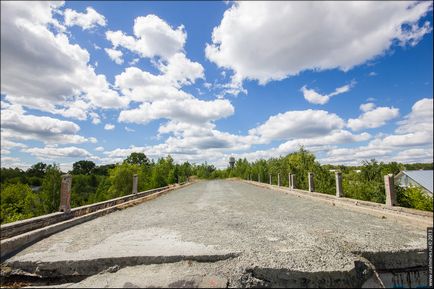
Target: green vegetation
x=365, y=182
x=90, y=184
x=34, y=192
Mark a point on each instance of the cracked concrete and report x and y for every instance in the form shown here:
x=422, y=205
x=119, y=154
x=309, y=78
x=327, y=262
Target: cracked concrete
x=250, y=231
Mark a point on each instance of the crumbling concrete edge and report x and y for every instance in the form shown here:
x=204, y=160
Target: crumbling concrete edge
x=414, y=218
x=13, y=245
x=70, y=268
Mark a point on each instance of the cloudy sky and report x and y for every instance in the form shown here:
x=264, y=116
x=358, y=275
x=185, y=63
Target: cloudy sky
x=203, y=81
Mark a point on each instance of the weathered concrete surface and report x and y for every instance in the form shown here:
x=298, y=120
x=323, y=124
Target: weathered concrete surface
x=256, y=236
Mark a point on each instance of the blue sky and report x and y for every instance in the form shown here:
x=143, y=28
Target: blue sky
x=203, y=81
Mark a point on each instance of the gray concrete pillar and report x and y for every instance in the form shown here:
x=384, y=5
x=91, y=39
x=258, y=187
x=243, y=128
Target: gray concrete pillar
x=270, y=179
x=390, y=190
x=65, y=194
x=278, y=180
x=339, y=191
x=289, y=180
x=311, y=183
x=293, y=184
x=259, y=178
x=135, y=182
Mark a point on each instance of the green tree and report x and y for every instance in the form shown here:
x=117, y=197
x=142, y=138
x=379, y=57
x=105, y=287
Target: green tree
x=37, y=170
x=50, y=191
x=83, y=167
x=18, y=202
x=137, y=159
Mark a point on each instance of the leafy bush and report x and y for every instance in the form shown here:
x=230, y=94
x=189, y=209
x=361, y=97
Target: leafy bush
x=414, y=197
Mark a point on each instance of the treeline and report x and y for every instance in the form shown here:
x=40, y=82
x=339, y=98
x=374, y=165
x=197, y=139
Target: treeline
x=34, y=192
x=365, y=182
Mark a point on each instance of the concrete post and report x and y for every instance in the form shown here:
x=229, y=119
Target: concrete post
x=390, y=190
x=278, y=180
x=259, y=178
x=65, y=194
x=339, y=191
x=293, y=185
x=270, y=179
x=289, y=180
x=311, y=183
x=135, y=181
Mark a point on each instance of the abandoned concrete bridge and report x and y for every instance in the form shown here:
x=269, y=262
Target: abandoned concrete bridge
x=222, y=233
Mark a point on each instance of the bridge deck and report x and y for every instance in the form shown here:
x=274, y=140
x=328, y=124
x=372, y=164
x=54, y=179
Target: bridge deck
x=253, y=226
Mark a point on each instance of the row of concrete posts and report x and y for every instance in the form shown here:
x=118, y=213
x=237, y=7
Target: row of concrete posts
x=388, y=183
x=65, y=191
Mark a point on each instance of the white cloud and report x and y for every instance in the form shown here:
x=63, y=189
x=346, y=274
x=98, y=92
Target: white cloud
x=56, y=152
x=86, y=21
x=266, y=40
x=152, y=37
x=129, y=129
x=373, y=118
x=16, y=125
x=420, y=119
x=414, y=155
x=182, y=70
x=4, y=151
x=333, y=138
x=189, y=110
x=29, y=47
x=99, y=149
x=109, y=126
x=314, y=97
x=298, y=124
x=95, y=118
x=365, y=107
x=134, y=61
x=115, y=55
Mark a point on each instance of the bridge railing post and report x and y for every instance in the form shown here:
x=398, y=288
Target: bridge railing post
x=311, y=182
x=65, y=193
x=339, y=190
x=289, y=180
x=135, y=182
x=259, y=178
x=270, y=178
x=390, y=190
x=293, y=184
x=278, y=180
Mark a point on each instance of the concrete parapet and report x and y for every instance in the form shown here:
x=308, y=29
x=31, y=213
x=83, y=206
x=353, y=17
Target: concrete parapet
x=65, y=194
x=311, y=182
x=390, y=190
x=293, y=182
x=339, y=190
x=289, y=180
x=135, y=183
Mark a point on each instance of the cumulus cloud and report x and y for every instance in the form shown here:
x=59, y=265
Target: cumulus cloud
x=298, y=124
x=30, y=46
x=86, y=21
x=99, y=149
x=314, y=97
x=419, y=119
x=152, y=37
x=115, y=55
x=373, y=118
x=365, y=107
x=58, y=152
x=266, y=40
x=189, y=110
x=17, y=125
x=109, y=126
